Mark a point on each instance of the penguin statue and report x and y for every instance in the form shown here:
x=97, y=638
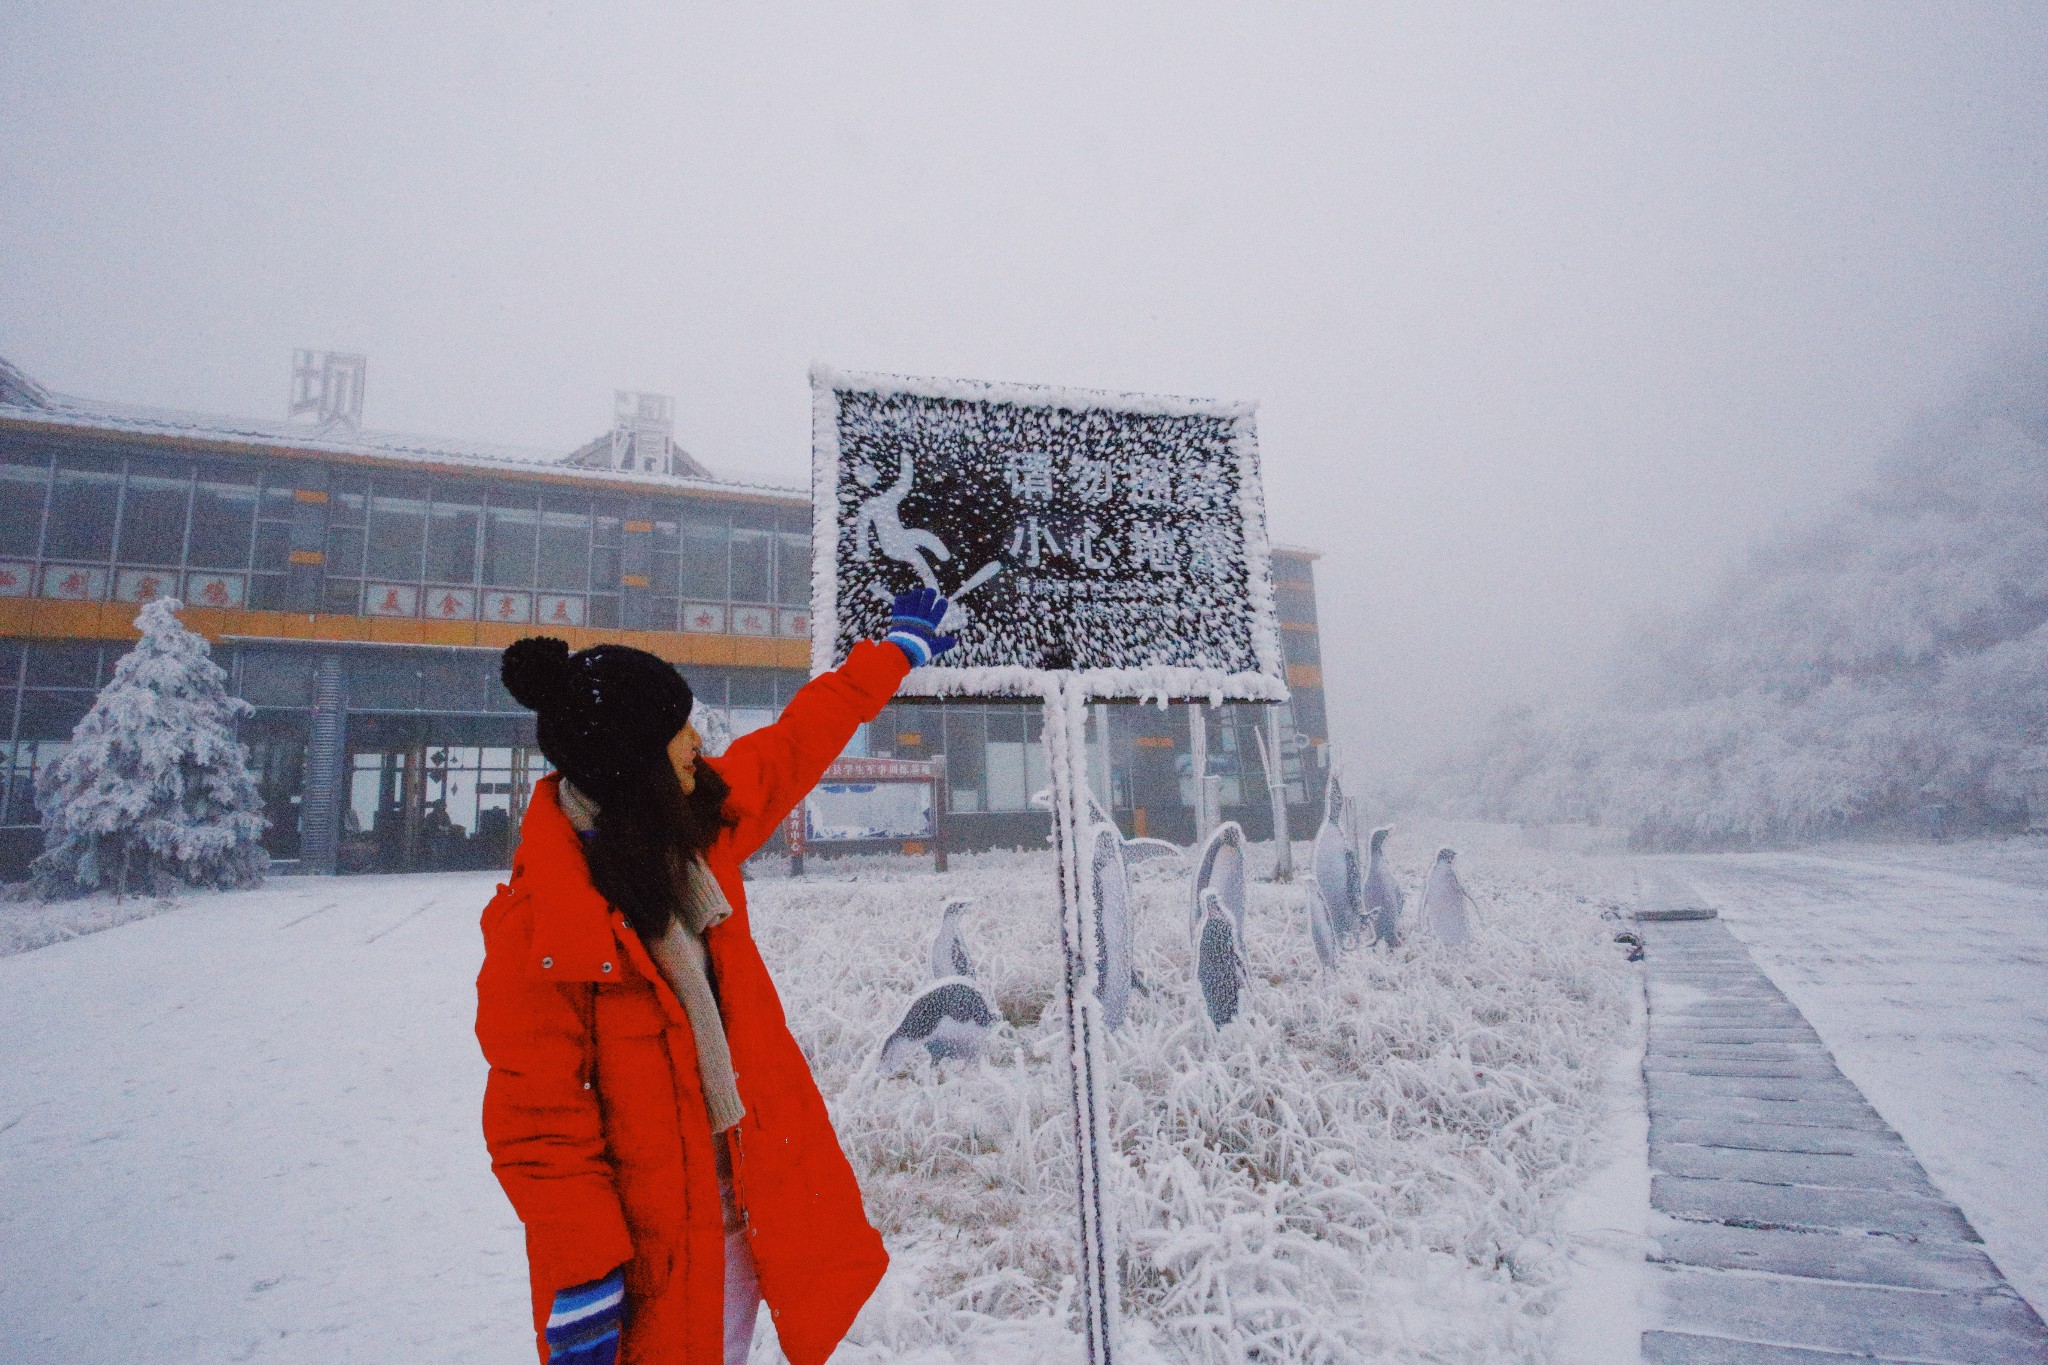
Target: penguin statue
x=1221, y=869
x=1338, y=875
x=1383, y=898
x=949, y=1018
x=1444, y=900
x=1321, y=931
x=1115, y=946
x=1219, y=961
x=949, y=952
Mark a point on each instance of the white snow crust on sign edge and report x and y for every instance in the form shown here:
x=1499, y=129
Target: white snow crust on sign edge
x=1158, y=684
x=825, y=379
x=824, y=525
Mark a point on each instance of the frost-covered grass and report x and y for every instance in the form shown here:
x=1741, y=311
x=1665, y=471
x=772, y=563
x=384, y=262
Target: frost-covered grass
x=27, y=923
x=1359, y=1167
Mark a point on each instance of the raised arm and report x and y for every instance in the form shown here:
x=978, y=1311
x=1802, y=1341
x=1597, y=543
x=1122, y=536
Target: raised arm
x=771, y=769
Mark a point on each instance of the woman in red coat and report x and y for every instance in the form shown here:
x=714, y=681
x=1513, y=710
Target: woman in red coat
x=648, y=1113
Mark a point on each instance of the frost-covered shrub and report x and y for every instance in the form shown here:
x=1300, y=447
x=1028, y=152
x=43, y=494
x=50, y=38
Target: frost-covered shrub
x=153, y=792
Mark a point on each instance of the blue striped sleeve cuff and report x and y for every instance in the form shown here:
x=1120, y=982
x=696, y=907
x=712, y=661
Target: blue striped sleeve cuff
x=583, y=1326
x=918, y=652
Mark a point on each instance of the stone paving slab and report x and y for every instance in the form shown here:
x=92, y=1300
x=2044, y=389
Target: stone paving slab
x=1894, y=1171
x=1777, y=1113
x=1879, y=1320
x=1765, y=1068
x=1683, y=1348
x=1944, y=1266
x=1814, y=1050
x=1745, y=1203
x=1690, y=1032
x=1713, y=1131
x=1829, y=1088
x=1794, y=1227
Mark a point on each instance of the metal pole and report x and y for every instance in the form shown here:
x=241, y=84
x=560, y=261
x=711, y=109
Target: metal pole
x=1276, y=795
x=939, y=798
x=1198, y=753
x=1066, y=738
x=1098, y=762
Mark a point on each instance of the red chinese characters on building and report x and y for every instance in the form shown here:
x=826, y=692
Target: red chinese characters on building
x=390, y=599
x=559, y=609
x=451, y=604
x=507, y=606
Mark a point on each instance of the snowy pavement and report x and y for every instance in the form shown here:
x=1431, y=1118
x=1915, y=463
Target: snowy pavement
x=245, y=1129
x=1925, y=971
x=1788, y=1213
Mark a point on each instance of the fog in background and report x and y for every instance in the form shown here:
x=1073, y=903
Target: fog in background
x=1548, y=313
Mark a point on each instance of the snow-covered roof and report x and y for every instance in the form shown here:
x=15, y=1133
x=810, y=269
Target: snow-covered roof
x=23, y=400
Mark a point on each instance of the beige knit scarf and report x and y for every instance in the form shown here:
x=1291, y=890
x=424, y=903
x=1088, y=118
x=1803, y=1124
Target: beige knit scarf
x=679, y=953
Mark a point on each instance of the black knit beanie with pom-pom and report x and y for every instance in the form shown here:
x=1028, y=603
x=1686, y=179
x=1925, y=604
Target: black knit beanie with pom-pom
x=606, y=714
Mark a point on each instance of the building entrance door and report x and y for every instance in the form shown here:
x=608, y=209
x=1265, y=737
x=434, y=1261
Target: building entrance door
x=428, y=797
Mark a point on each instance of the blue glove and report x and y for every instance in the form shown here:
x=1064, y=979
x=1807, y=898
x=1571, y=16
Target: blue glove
x=583, y=1328
x=914, y=626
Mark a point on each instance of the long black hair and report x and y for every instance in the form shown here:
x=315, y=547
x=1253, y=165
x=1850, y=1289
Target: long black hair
x=644, y=845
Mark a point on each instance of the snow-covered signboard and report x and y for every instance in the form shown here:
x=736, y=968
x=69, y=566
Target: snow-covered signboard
x=1116, y=536
x=843, y=811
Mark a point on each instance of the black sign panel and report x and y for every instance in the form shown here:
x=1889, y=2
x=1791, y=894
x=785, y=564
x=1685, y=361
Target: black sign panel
x=1117, y=536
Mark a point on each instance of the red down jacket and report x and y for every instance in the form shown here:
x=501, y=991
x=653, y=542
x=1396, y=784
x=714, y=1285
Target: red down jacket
x=594, y=1114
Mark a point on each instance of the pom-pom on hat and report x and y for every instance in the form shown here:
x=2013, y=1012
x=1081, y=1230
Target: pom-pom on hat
x=606, y=714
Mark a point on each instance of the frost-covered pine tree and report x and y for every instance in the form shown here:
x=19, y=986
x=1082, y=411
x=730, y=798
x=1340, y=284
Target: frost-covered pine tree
x=154, y=792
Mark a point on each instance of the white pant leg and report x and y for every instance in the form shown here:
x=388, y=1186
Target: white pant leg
x=742, y=1298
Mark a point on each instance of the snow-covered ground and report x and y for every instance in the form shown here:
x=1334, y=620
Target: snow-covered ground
x=246, y=1128
x=1925, y=969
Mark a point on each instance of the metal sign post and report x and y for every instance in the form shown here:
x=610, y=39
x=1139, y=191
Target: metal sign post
x=1066, y=738
x=1094, y=547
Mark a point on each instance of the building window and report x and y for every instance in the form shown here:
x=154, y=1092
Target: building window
x=511, y=536
x=750, y=565
x=153, y=513
x=451, y=537
x=395, y=545
x=1295, y=604
x=1300, y=647
x=223, y=517
x=793, y=569
x=707, y=540
x=564, y=543
x=24, y=489
x=82, y=509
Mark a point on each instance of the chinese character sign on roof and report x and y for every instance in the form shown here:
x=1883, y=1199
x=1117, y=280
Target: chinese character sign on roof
x=328, y=387
x=1120, y=536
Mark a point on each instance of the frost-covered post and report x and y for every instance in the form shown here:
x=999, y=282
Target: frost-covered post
x=1066, y=749
x=153, y=792
x=1276, y=797
x=1095, y=547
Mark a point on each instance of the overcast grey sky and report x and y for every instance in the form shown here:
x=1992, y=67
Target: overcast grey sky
x=1549, y=309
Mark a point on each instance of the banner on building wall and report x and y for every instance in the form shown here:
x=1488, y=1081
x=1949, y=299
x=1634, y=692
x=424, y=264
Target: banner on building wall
x=1115, y=536
x=868, y=810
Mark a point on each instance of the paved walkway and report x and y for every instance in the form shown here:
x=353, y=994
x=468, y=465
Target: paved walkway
x=1794, y=1227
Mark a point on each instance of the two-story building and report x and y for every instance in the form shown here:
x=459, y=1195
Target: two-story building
x=358, y=586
